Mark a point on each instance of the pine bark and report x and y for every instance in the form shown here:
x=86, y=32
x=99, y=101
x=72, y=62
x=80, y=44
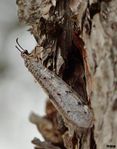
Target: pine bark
x=79, y=43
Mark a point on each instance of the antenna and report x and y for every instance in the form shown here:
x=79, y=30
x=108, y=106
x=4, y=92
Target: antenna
x=20, y=47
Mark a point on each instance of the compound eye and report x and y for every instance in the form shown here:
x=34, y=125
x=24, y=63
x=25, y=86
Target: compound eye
x=26, y=52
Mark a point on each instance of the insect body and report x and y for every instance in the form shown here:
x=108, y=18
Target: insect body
x=66, y=101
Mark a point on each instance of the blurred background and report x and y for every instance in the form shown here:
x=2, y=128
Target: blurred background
x=19, y=93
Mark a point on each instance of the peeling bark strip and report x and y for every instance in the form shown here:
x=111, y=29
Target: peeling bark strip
x=45, y=145
x=74, y=111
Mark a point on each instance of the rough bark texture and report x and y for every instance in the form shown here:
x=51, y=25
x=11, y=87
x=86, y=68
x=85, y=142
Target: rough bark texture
x=77, y=39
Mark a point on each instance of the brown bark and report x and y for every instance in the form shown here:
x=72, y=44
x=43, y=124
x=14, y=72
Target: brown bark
x=77, y=40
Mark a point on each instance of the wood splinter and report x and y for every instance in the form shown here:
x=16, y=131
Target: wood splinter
x=68, y=103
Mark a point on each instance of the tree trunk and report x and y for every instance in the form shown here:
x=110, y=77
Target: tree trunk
x=77, y=40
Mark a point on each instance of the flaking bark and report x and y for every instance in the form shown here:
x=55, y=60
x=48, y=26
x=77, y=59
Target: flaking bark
x=79, y=43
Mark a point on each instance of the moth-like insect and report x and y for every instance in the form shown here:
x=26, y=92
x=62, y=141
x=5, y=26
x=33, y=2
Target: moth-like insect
x=68, y=103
